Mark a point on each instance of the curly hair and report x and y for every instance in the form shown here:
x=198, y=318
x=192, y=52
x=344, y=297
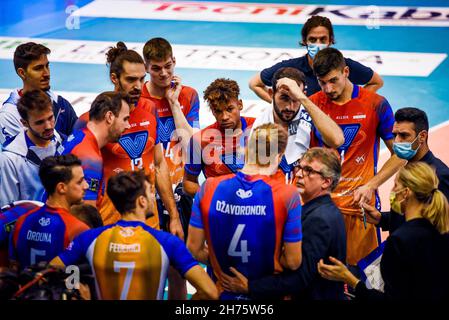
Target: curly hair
x=220, y=92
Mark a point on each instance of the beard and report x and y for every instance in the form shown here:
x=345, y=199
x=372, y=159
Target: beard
x=284, y=115
x=113, y=134
x=43, y=136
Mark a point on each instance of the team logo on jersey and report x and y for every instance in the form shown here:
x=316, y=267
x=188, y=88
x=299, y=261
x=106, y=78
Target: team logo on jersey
x=44, y=221
x=70, y=138
x=244, y=194
x=350, y=132
x=304, y=115
x=361, y=159
x=126, y=232
x=166, y=128
x=134, y=143
x=94, y=185
x=9, y=226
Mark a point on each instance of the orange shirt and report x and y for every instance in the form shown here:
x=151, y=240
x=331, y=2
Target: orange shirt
x=364, y=119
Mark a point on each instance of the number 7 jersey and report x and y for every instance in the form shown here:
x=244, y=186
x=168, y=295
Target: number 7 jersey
x=129, y=259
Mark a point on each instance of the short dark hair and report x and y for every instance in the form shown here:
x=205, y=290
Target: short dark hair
x=88, y=214
x=56, y=169
x=104, y=102
x=119, y=54
x=125, y=187
x=317, y=21
x=326, y=60
x=157, y=49
x=414, y=115
x=35, y=100
x=27, y=53
x=288, y=72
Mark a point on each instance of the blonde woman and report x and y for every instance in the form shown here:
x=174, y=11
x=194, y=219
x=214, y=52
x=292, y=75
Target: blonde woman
x=415, y=260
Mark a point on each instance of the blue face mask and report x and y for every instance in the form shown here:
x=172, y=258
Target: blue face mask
x=313, y=48
x=404, y=150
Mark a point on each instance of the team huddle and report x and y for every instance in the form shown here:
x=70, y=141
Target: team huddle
x=289, y=206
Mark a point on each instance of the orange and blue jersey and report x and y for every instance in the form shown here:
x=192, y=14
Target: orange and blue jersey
x=190, y=106
x=215, y=154
x=8, y=219
x=129, y=259
x=83, y=144
x=364, y=119
x=43, y=233
x=246, y=220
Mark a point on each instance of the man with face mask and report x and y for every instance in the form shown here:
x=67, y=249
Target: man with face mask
x=317, y=34
x=296, y=113
x=411, y=131
x=32, y=66
x=23, y=154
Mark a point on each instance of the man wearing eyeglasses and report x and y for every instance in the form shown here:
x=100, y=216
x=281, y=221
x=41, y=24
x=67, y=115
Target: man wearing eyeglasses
x=324, y=235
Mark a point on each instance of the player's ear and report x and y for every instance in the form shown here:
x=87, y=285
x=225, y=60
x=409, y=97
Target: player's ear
x=240, y=105
x=21, y=73
x=114, y=78
x=271, y=93
x=109, y=117
x=24, y=123
x=61, y=188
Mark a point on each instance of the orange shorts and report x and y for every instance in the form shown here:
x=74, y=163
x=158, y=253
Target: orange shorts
x=359, y=241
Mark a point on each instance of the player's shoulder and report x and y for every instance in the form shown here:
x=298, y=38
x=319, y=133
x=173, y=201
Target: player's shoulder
x=188, y=91
x=249, y=121
x=373, y=98
x=145, y=106
x=319, y=98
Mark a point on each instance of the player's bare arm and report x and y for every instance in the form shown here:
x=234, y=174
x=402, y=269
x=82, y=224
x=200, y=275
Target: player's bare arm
x=165, y=191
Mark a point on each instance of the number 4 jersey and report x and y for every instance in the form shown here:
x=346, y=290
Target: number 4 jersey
x=246, y=220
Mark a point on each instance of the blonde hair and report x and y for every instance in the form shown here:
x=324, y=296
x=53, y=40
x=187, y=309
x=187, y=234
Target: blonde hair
x=265, y=143
x=423, y=181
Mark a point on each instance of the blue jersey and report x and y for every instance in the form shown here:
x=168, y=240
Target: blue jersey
x=246, y=220
x=40, y=235
x=129, y=259
x=8, y=218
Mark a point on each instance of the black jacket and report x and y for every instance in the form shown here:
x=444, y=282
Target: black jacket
x=390, y=221
x=323, y=236
x=414, y=265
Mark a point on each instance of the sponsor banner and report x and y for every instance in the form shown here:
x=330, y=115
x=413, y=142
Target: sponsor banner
x=369, y=16
x=81, y=102
x=387, y=63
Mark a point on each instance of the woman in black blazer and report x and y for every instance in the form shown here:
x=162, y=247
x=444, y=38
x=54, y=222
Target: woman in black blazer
x=415, y=262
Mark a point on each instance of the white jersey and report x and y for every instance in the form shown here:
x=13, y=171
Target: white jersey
x=299, y=132
x=19, y=163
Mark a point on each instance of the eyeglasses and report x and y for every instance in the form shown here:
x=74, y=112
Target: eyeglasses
x=307, y=170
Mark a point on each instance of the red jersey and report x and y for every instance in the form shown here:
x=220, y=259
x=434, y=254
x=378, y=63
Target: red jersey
x=134, y=151
x=83, y=144
x=190, y=105
x=216, y=155
x=364, y=119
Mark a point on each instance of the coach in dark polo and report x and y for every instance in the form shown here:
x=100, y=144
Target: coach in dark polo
x=324, y=235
